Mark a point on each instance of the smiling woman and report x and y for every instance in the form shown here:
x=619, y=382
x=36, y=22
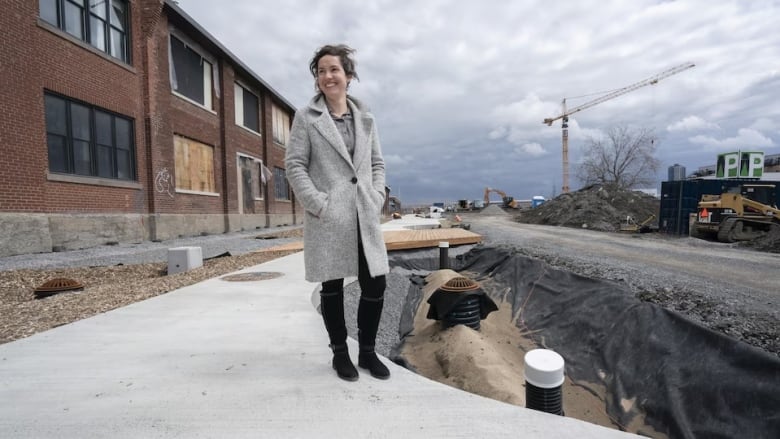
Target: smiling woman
x=335, y=167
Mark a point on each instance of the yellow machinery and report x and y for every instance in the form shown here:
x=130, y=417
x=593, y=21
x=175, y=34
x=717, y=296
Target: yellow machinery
x=631, y=226
x=738, y=216
x=506, y=200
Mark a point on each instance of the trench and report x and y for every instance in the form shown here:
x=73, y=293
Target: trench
x=630, y=365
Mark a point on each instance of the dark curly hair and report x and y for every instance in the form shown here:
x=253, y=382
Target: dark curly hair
x=344, y=53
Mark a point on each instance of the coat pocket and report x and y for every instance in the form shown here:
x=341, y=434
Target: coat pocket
x=379, y=200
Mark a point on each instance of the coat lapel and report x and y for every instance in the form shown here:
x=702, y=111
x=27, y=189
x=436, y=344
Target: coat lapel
x=363, y=125
x=325, y=125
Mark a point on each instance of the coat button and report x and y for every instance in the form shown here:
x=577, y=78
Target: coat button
x=354, y=180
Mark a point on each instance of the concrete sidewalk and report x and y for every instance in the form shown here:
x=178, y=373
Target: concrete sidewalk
x=223, y=359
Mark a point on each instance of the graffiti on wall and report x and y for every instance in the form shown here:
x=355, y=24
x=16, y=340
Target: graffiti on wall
x=163, y=182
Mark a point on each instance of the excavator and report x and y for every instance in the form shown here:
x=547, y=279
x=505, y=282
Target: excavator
x=745, y=214
x=507, y=201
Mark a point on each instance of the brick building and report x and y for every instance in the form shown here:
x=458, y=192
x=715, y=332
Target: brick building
x=124, y=121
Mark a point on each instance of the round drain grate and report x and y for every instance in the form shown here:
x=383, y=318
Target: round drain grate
x=57, y=285
x=252, y=276
x=459, y=284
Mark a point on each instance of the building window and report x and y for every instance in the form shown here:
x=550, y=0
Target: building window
x=281, y=190
x=247, y=108
x=191, y=73
x=101, y=23
x=281, y=125
x=194, y=165
x=89, y=141
x=253, y=176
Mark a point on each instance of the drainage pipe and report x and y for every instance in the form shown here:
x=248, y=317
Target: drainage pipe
x=543, y=381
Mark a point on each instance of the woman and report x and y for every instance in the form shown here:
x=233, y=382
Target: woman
x=335, y=167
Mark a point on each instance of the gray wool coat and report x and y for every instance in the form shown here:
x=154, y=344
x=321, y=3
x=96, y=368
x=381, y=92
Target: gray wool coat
x=339, y=193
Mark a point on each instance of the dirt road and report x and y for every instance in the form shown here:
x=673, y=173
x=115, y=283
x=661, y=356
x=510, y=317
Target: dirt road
x=727, y=288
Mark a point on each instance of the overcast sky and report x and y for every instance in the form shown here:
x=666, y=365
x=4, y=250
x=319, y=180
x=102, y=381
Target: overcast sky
x=460, y=88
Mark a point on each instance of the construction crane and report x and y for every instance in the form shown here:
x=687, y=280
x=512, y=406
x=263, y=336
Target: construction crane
x=611, y=95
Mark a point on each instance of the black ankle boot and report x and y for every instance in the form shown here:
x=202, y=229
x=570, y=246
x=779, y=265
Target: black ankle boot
x=342, y=364
x=367, y=359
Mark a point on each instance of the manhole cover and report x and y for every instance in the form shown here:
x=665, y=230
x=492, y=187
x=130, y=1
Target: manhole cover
x=57, y=285
x=252, y=276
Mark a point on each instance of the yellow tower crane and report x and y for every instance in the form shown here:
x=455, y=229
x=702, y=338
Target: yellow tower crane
x=611, y=95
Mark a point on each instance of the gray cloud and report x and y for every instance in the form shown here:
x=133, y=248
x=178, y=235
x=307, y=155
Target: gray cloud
x=460, y=89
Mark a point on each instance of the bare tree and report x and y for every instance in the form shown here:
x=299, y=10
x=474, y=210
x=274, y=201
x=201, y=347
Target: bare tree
x=625, y=158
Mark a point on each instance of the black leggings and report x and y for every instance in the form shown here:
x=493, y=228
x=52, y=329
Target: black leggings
x=370, y=287
x=372, y=293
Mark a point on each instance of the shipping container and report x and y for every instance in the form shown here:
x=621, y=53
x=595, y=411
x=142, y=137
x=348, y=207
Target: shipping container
x=680, y=199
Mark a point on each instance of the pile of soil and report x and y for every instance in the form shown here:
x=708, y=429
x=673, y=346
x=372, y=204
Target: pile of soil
x=596, y=207
x=606, y=209
x=767, y=243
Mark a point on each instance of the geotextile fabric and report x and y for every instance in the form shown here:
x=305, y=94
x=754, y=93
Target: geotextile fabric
x=681, y=378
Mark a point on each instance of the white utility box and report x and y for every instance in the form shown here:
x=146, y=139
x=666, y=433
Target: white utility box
x=182, y=259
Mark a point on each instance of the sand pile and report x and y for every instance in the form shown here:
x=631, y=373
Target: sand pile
x=488, y=362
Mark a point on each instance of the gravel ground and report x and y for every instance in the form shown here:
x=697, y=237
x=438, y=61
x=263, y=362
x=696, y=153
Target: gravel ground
x=115, y=276
x=728, y=289
x=725, y=287
x=150, y=252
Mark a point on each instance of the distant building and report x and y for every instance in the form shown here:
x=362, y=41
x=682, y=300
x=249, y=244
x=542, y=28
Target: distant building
x=771, y=167
x=676, y=172
x=126, y=121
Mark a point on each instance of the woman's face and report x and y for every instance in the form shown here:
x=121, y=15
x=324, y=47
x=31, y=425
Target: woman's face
x=331, y=78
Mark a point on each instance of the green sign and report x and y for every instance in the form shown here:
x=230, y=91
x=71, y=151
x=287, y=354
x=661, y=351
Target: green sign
x=740, y=164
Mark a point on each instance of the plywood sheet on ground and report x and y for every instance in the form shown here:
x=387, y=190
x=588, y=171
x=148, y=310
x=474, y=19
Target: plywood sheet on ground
x=409, y=239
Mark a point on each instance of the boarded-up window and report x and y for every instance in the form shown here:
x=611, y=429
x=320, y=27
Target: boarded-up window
x=281, y=188
x=194, y=165
x=281, y=125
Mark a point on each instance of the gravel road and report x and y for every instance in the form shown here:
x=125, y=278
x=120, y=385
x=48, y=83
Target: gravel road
x=729, y=289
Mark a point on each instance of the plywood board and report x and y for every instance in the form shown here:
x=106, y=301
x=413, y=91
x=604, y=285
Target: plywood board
x=409, y=239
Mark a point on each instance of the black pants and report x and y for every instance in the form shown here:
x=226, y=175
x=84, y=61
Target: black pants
x=372, y=293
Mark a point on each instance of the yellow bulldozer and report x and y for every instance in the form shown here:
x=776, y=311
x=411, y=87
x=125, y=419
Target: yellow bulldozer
x=745, y=214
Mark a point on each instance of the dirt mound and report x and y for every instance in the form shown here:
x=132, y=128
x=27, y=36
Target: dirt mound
x=768, y=243
x=492, y=209
x=594, y=207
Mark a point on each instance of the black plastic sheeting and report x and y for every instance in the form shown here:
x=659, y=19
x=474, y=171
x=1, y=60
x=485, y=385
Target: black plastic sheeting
x=687, y=381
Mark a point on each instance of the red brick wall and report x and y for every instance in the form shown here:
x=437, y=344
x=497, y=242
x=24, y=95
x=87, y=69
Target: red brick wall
x=35, y=57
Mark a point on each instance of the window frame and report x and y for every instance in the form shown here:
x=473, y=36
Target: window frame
x=280, y=125
x=239, y=104
x=209, y=74
x=61, y=21
x=261, y=185
x=91, y=137
x=281, y=185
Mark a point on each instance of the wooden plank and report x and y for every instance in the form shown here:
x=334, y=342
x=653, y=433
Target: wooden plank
x=295, y=245
x=409, y=239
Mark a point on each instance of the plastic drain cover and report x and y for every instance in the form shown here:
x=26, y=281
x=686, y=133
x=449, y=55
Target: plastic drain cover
x=459, y=284
x=252, y=276
x=57, y=285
